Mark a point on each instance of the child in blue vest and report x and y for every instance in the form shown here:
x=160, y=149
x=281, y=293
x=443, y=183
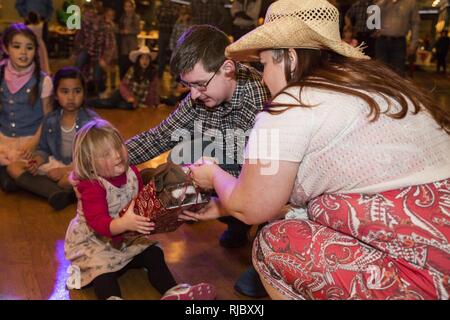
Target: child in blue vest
x=47, y=170
x=25, y=98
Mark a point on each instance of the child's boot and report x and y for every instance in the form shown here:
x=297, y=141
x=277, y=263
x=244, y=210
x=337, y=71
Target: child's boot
x=7, y=184
x=57, y=197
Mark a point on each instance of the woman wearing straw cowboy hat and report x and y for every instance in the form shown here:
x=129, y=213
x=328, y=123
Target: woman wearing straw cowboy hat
x=370, y=163
x=139, y=87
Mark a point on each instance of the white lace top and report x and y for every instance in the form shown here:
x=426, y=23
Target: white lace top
x=339, y=150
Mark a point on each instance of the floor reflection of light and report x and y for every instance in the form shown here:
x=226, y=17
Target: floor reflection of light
x=7, y=297
x=59, y=291
x=175, y=251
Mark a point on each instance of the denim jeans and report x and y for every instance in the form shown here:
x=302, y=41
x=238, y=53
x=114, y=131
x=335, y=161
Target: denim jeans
x=392, y=51
x=163, y=45
x=83, y=59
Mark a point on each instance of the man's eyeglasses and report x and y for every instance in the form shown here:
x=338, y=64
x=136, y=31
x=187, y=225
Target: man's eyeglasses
x=199, y=86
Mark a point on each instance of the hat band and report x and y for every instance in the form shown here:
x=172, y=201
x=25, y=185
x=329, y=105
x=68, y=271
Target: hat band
x=300, y=47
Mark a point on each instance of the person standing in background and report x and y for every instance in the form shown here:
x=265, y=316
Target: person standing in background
x=167, y=15
x=44, y=8
x=442, y=46
x=356, y=19
x=94, y=47
x=212, y=12
x=36, y=25
x=398, y=17
x=116, y=5
x=245, y=15
x=129, y=29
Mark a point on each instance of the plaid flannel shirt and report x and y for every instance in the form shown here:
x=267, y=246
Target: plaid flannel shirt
x=210, y=12
x=139, y=89
x=96, y=37
x=358, y=14
x=223, y=121
x=167, y=15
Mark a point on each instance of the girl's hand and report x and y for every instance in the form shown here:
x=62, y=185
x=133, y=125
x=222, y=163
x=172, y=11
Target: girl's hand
x=202, y=172
x=26, y=151
x=212, y=210
x=26, y=155
x=33, y=164
x=134, y=222
x=57, y=174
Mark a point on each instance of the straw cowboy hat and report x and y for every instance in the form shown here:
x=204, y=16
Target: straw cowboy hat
x=142, y=50
x=312, y=24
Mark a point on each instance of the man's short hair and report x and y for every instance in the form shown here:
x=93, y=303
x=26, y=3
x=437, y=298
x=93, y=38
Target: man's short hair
x=199, y=43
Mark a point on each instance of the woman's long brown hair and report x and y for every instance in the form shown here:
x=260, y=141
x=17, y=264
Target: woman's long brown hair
x=330, y=71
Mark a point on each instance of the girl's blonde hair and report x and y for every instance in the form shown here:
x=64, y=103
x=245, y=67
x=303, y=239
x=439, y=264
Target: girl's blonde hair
x=91, y=141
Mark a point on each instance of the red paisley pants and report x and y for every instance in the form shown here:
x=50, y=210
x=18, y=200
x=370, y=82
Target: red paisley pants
x=390, y=245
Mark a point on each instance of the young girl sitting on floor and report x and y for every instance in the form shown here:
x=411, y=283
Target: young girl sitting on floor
x=25, y=98
x=139, y=87
x=46, y=172
x=95, y=244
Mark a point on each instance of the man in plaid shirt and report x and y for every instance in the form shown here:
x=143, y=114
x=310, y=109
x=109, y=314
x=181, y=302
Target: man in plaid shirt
x=224, y=99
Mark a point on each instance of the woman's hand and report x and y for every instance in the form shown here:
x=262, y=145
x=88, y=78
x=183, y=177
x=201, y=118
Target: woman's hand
x=134, y=222
x=202, y=172
x=212, y=210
